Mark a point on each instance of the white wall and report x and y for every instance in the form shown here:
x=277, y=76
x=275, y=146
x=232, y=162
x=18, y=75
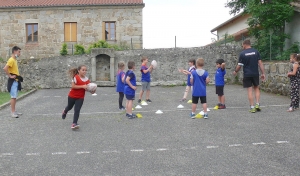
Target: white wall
x=234, y=26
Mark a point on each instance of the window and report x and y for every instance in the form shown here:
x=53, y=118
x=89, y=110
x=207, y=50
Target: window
x=70, y=32
x=109, y=29
x=32, y=32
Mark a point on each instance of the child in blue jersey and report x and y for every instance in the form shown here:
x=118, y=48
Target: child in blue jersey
x=129, y=89
x=188, y=73
x=120, y=83
x=199, y=79
x=219, y=82
x=146, y=79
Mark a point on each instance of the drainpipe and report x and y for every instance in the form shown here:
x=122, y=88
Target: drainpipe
x=215, y=35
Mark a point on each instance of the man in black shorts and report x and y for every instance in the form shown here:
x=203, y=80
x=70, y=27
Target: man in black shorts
x=250, y=60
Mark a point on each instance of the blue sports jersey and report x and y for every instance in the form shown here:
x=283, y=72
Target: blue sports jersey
x=127, y=89
x=145, y=76
x=199, y=85
x=188, y=82
x=249, y=58
x=120, y=84
x=219, y=77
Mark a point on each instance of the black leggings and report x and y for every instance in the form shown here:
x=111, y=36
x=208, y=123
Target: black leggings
x=121, y=97
x=78, y=104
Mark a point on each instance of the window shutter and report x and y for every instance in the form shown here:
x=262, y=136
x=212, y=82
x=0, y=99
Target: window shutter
x=67, y=32
x=73, y=32
x=103, y=30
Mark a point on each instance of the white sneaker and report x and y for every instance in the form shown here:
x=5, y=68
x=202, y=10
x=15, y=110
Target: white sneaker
x=18, y=113
x=14, y=115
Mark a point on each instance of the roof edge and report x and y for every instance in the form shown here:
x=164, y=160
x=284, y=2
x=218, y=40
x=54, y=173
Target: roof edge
x=231, y=19
x=80, y=5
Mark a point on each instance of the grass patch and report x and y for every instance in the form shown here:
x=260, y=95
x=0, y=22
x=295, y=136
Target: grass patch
x=5, y=96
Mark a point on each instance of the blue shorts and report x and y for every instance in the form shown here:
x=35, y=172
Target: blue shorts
x=14, y=90
x=130, y=97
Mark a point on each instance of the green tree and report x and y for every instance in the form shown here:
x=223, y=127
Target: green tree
x=267, y=22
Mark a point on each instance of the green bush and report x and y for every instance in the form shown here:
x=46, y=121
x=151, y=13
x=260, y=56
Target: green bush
x=104, y=44
x=64, y=50
x=79, y=49
x=1, y=59
x=286, y=54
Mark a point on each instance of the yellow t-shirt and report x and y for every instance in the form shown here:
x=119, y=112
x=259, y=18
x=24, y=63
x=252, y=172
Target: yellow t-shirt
x=13, y=66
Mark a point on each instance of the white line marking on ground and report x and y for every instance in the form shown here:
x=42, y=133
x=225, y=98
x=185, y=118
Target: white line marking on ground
x=7, y=154
x=212, y=147
x=32, y=154
x=259, y=143
x=113, y=151
x=282, y=142
x=83, y=152
x=46, y=96
x=162, y=149
x=59, y=153
x=235, y=145
x=57, y=96
x=137, y=150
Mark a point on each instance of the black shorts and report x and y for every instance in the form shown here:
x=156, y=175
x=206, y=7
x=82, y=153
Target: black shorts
x=251, y=81
x=130, y=97
x=220, y=90
x=196, y=99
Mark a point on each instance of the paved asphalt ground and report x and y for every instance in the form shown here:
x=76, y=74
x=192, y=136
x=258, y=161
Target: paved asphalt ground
x=231, y=142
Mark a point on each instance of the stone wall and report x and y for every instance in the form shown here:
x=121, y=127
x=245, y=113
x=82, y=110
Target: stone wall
x=51, y=27
x=52, y=72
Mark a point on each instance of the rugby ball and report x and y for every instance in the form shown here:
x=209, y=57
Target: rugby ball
x=154, y=64
x=91, y=87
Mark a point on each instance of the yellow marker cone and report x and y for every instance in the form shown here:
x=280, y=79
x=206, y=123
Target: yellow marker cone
x=190, y=101
x=139, y=115
x=133, y=109
x=216, y=107
x=198, y=116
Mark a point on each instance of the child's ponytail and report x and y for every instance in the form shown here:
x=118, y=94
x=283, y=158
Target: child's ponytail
x=74, y=71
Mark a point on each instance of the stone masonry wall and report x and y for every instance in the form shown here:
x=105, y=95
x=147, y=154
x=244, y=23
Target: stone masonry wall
x=51, y=27
x=52, y=72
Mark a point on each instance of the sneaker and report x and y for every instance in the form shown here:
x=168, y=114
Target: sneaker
x=257, y=107
x=132, y=116
x=122, y=109
x=14, y=115
x=75, y=126
x=205, y=116
x=148, y=101
x=182, y=100
x=18, y=113
x=193, y=115
x=139, y=101
x=222, y=106
x=64, y=114
x=252, y=110
x=291, y=109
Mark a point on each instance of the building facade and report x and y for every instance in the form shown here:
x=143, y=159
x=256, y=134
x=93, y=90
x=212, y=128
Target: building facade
x=41, y=27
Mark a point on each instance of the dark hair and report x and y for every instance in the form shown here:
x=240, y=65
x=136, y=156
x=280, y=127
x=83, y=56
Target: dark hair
x=298, y=57
x=121, y=64
x=247, y=42
x=74, y=71
x=220, y=61
x=130, y=64
x=193, y=61
x=294, y=55
x=144, y=58
x=15, y=48
x=200, y=62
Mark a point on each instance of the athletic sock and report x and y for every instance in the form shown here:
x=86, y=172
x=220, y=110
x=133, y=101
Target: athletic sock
x=251, y=107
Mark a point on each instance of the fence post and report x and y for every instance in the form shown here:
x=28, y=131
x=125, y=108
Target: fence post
x=175, y=41
x=72, y=49
x=131, y=45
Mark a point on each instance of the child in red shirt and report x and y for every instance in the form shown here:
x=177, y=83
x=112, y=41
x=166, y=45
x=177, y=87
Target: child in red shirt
x=77, y=93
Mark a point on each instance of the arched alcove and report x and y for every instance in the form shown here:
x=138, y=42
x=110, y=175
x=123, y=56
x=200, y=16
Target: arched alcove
x=103, y=64
x=103, y=67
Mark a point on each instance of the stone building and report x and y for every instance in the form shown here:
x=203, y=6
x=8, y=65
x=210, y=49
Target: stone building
x=41, y=27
